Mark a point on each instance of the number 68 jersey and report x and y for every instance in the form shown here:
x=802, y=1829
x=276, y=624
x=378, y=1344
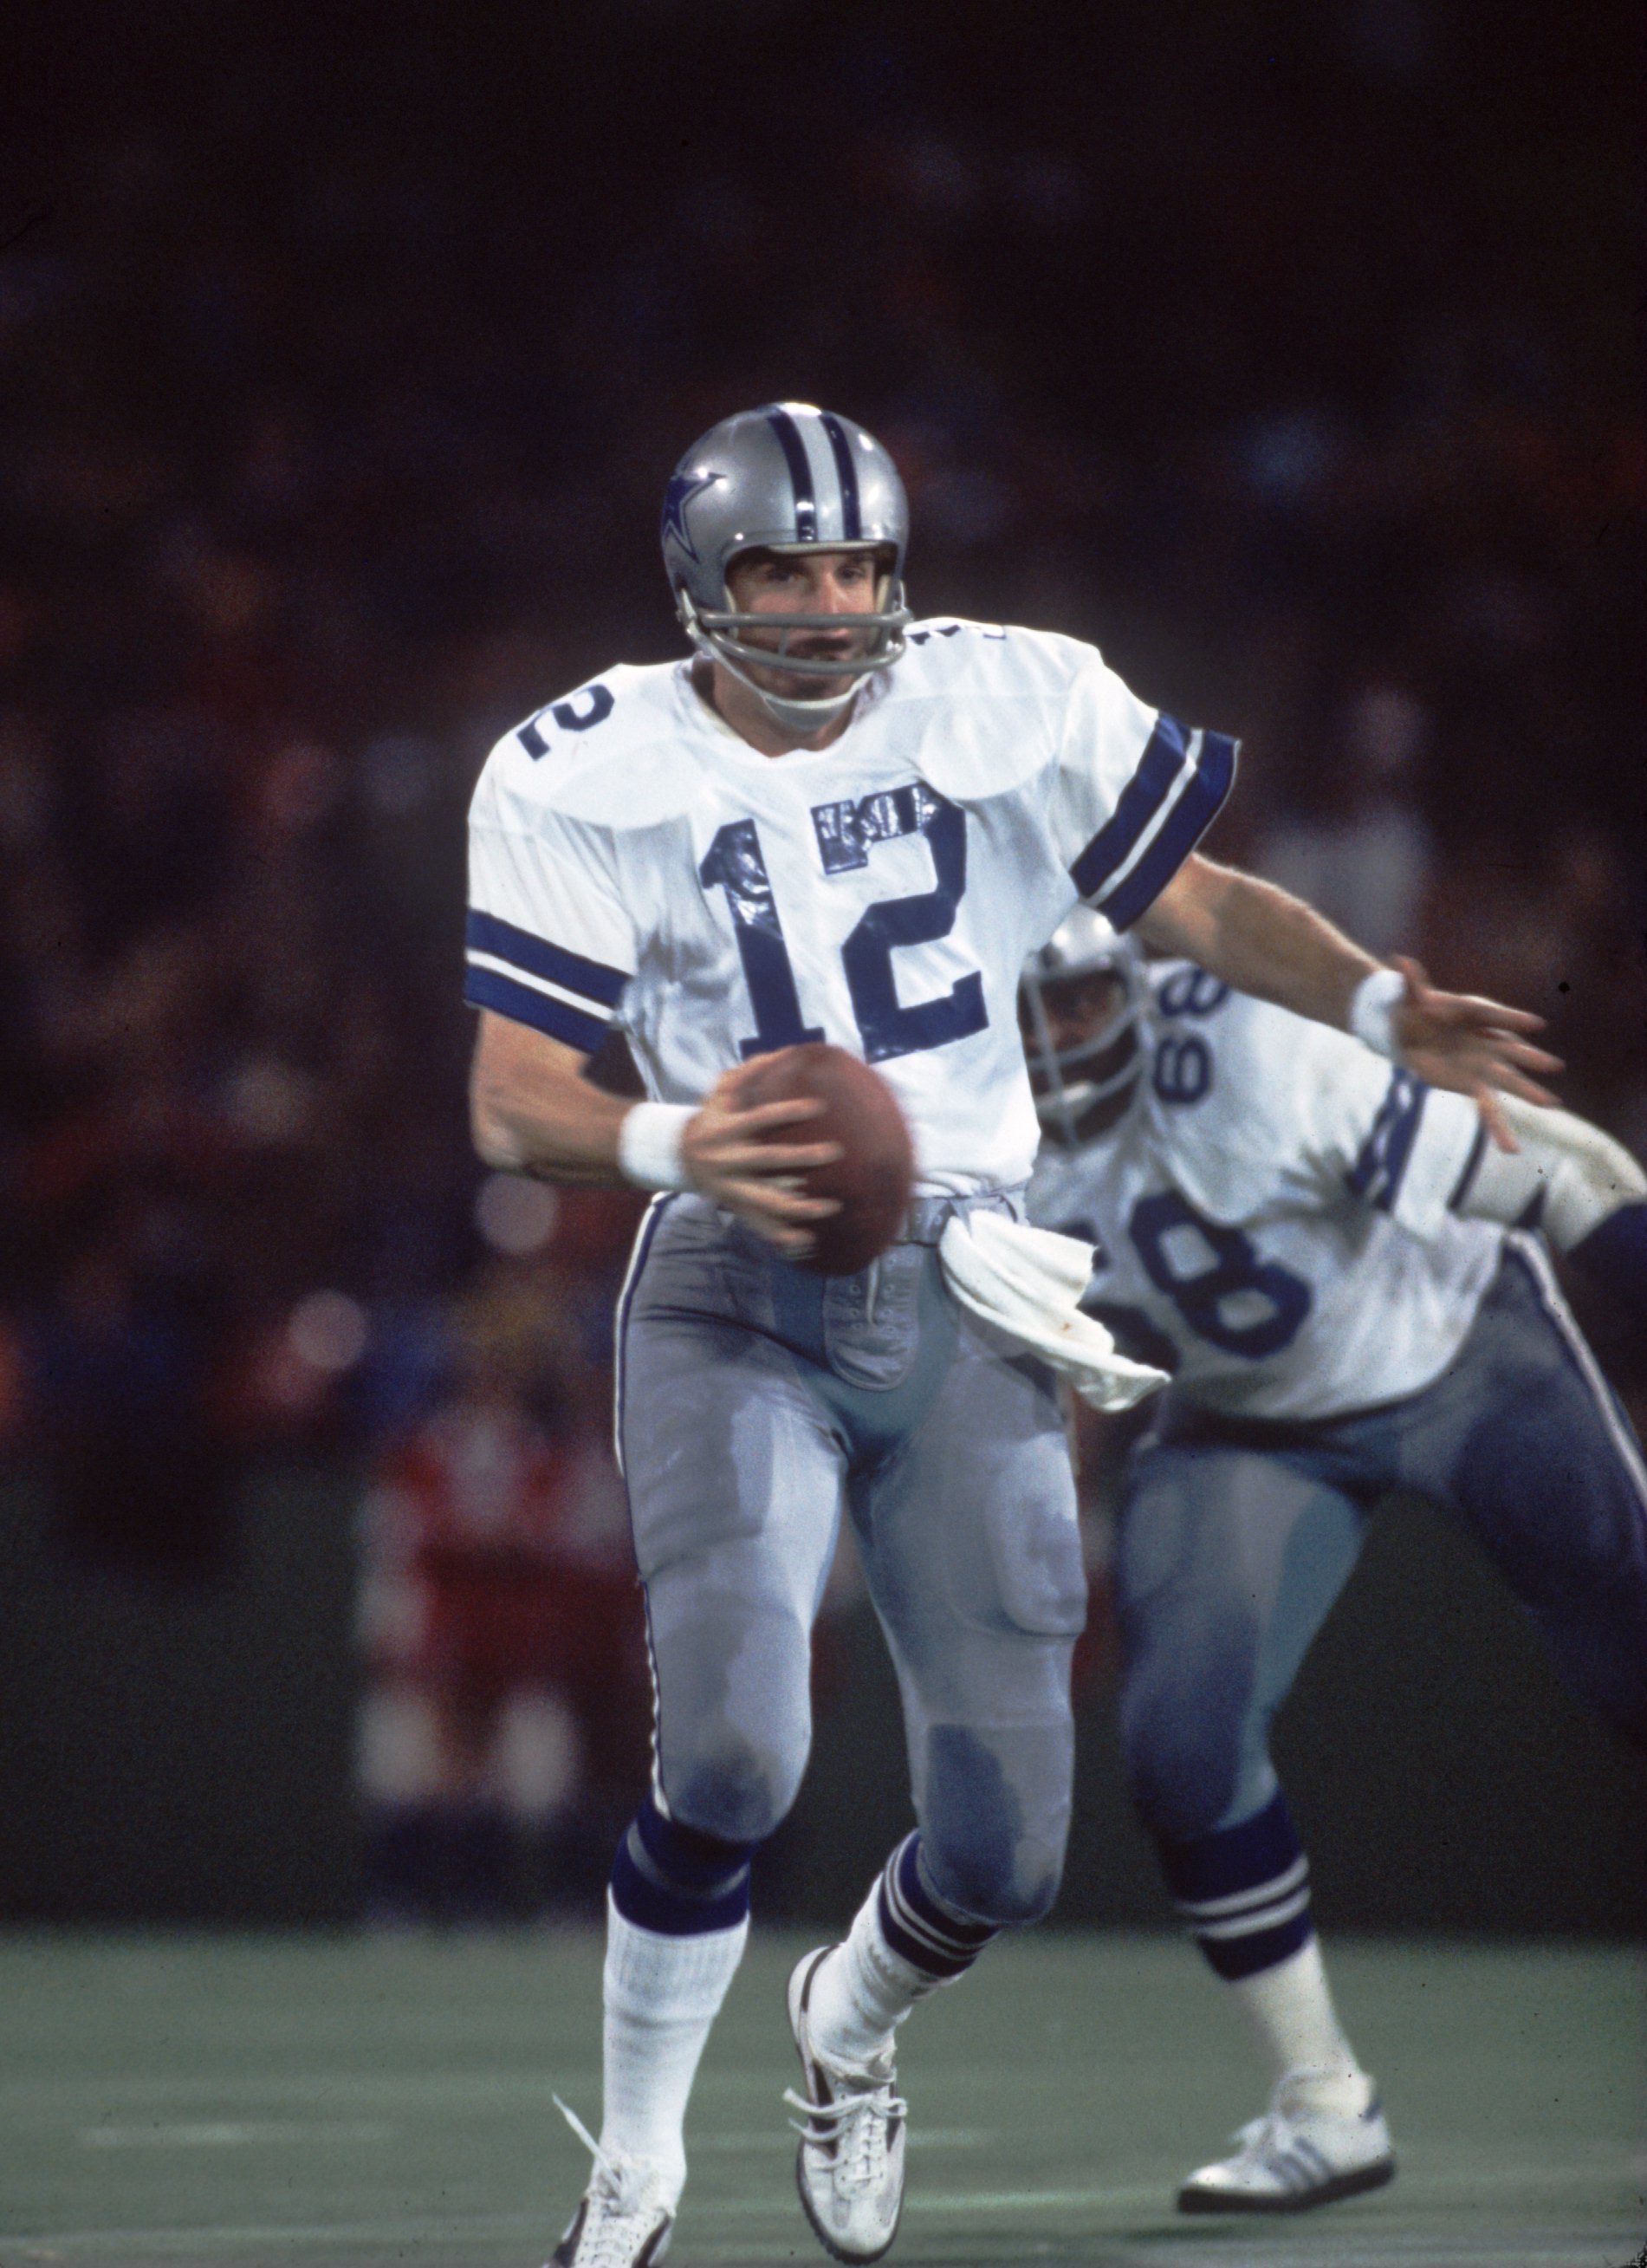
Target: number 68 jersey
x=1270, y=1220
x=633, y=859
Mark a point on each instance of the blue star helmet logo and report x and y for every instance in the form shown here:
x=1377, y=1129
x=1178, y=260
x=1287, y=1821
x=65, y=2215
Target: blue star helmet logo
x=682, y=487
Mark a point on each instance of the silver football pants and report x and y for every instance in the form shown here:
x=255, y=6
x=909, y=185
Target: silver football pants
x=1237, y=1538
x=754, y=1403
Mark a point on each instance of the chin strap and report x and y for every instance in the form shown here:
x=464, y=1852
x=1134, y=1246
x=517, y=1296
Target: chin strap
x=793, y=716
x=800, y=717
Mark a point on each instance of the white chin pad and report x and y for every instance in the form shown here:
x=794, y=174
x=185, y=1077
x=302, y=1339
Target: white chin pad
x=804, y=716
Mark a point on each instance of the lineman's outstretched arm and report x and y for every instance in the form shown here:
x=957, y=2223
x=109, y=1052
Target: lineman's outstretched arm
x=532, y=1111
x=1262, y=941
x=1584, y=1191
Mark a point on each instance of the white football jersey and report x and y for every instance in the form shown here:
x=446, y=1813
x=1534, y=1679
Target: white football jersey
x=634, y=859
x=1270, y=1218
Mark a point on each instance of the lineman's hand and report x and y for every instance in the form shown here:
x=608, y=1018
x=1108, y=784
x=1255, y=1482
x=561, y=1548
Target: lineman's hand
x=729, y=1162
x=1474, y=1046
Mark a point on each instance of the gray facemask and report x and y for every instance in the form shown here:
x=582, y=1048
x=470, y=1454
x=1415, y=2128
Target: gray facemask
x=787, y=478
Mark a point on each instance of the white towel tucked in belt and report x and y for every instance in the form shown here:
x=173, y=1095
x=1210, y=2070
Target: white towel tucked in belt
x=1027, y=1283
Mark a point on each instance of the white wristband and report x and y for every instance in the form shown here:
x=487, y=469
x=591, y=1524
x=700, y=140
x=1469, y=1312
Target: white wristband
x=649, y=1145
x=1372, y=1009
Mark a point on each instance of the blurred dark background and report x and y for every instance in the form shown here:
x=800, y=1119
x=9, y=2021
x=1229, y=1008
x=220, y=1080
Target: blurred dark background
x=1291, y=352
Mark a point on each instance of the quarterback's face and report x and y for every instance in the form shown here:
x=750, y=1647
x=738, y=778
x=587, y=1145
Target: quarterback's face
x=833, y=583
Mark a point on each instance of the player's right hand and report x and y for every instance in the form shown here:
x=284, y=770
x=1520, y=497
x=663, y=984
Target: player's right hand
x=731, y=1160
x=1477, y=1047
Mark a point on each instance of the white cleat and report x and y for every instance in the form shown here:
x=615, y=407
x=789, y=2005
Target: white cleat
x=850, y=2166
x=1296, y=2156
x=625, y=2216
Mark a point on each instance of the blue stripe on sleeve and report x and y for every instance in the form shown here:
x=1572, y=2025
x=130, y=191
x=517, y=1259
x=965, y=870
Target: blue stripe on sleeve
x=1140, y=800
x=486, y=934
x=1183, y=828
x=1380, y=1168
x=489, y=988
x=1466, y=1181
x=1400, y=1147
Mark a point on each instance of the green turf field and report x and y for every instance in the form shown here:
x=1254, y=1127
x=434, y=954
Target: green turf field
x=375, y=2101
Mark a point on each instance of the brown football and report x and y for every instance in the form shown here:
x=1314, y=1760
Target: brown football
x=874, y=1175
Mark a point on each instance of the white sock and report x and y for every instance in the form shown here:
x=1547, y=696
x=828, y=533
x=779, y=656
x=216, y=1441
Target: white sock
x=863, y=1991
x=662, y=1994
x=1291, y=2010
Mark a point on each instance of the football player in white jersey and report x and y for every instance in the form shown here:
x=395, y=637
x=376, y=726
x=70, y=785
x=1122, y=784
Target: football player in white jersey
x=1339, y=1271
x=835, y=824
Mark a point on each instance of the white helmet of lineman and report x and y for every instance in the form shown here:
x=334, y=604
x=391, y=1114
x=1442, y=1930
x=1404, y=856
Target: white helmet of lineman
x=1080, y=1000
x=787, y=478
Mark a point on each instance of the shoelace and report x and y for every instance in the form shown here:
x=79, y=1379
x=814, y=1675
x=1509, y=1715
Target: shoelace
x=860, y=2120
x=610, y=2236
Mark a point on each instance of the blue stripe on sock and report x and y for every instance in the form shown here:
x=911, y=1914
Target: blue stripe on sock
x=924, y=1900
x=1234, y=1957
x=675, y=1881
x=1235, y=1858
x=923, y=1932
x=702, y=1865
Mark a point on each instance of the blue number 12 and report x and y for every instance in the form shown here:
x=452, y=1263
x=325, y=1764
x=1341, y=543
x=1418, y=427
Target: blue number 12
x=734, y=864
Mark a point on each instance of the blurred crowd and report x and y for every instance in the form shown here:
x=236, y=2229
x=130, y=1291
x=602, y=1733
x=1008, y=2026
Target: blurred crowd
x=339, y=392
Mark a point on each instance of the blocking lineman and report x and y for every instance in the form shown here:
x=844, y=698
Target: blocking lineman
x=1349, y=1289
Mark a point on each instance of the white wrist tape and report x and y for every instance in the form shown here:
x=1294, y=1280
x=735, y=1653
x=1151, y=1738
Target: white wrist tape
x=1372, y=1009
x=649, y=1145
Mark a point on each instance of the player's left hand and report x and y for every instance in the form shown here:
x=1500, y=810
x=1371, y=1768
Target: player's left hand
x=1477, y=1047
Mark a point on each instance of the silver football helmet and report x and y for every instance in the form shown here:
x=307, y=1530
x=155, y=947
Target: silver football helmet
x=1080, y=1002
x=786, y=478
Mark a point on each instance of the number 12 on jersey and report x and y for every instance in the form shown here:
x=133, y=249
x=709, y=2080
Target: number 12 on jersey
x=846, y=834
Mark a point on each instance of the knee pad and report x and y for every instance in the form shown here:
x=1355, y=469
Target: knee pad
x=736, y=1792
x=1181, y=1746
x=678, y=1881
x=995, y=1817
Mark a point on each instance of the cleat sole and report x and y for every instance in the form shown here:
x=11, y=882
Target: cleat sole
x=1354, y=2184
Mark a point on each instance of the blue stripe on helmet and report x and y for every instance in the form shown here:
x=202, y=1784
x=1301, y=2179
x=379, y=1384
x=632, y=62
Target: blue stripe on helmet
x=851, y=518
x=800, y=474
